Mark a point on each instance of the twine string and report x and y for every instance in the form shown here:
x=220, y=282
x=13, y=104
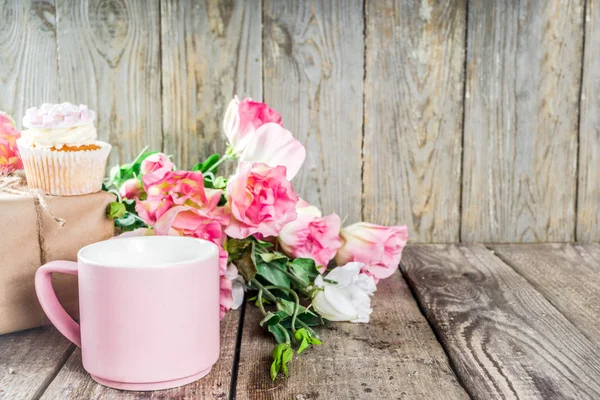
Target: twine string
x=15, y=184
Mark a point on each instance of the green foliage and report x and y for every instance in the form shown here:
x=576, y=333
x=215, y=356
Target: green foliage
x=305, y=269
x=279, y=333
x=272, y=275
x=282, y=355
x=242, y=255
x=305, y=338
x=120, y=173
x=207, y=164
x=115, y=210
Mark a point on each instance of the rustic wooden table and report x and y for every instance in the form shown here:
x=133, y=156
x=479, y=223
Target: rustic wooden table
x=460, y=321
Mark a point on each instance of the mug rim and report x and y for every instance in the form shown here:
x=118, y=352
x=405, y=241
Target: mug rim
x=203, y=256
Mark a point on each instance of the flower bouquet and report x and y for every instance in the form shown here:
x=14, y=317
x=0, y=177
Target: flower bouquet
x=275, y=248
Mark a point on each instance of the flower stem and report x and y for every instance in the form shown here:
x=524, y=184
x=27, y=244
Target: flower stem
x=296, y=301
x=293, y=277
x=221, y=161
x=267, y=293
x=308, y=328
x=260, y=303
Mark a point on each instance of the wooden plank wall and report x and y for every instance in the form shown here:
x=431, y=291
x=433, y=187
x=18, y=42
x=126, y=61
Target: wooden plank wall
x=467, y=120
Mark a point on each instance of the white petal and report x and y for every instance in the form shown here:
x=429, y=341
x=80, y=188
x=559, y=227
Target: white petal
x=237, y=291
x=346, y=274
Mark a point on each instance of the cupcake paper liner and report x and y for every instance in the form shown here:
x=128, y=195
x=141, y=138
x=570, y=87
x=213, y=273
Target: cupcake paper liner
x=64, y=173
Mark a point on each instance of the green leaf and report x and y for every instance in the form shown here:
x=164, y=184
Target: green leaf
x=205, y=166
x=286, y=306
x=304, y=314
x=305, y=269
x=272, y=275
x=115, y=210
x=286, y=357
x=275, y=366
x=279, y=355
x=268, y=257
x=271, y=318
x=241, y=254
x=263, y=244
x=120, y=173
x=129, y=205
x=220, y=182
x=278, y=333
x=126, y=221
x=303, y=345
x=305, y=338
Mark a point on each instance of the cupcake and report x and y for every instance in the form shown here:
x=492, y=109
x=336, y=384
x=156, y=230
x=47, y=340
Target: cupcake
x=60, y=152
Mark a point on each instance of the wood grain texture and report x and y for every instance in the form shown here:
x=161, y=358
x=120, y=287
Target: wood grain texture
x=28, y=56
x=567, y=275
x=313, y=75
x=29, y=360
x=396, y=355
x=211, y=50
x=74, y=383
x=109, y=59
x=520, y=138
x=588, y=194
x=413, y=116
x=504, y=339
x=593, y=249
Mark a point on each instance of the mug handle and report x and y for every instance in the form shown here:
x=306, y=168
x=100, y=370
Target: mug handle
x=49, y=302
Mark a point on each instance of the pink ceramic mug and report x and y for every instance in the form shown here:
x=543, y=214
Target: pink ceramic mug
x=149, y=310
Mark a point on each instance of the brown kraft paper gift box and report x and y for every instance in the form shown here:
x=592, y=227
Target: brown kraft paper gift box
x=30, y=237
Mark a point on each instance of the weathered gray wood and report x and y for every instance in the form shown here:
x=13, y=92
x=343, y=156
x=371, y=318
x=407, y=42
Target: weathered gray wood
x=567, y=275
x=211, y=50
x=593, y=249
x=588, y=194
x=29, y=360
x=396, y=355
x=521, y=102
x=313, y=71
x=413, y=116
x=504, y=339
x=73, y=383
x=28, y=72
x=109, y=60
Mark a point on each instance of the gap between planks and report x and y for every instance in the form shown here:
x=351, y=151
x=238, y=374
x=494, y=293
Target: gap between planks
x=59, y=365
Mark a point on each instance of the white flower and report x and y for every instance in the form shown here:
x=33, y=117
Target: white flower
x=349, y=299
x=238, y=286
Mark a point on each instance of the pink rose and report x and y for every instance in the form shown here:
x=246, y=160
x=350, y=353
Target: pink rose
x=226, y=298
x=9, y=153
x=243, y=118
x=260, y=200
x=378, y=247
x=311, y=235
x=273, y=145
x=200, y=223
x=177, y=188
x=151, y=209
x=184, y=205
x=183, y=187
x=131, y=189
x=155, y=167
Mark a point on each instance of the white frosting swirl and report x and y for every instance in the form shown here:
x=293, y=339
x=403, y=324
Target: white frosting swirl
x=58, y=137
